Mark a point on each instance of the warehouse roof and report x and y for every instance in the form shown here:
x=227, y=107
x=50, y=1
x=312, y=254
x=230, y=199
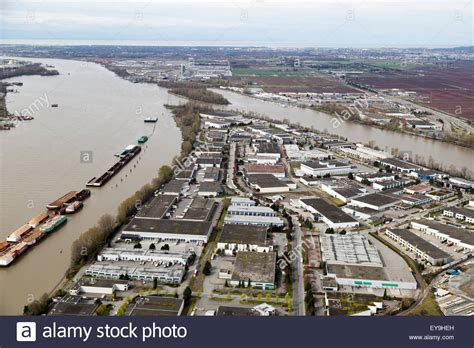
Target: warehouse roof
x=258, y=267
x=420, y=243
x=242, y=234
x=376, y=199
x=157, y=208
x=168, y=226
x=329, y=211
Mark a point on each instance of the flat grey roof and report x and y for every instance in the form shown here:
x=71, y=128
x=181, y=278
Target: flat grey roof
x=242, y=234
x=357, y=272
x=184, y=174
x=420, y=243
x=75, y=306
x=174, y=186
x=235, y=311
x=265, y=180
x=258, y=267
x=461, y=234
x=168, y=226
x=376, y=199
x=399, y=163
x=202, y=209
x=210, y=187
x=268, y=148
x=329, y=211
x=212, y=173
x=156, y=306
x=158, y=207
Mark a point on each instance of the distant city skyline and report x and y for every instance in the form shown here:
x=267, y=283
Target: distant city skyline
x=301, y=23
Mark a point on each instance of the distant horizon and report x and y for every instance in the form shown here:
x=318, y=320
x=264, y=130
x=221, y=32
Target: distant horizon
x=202, y=43
x=262, y=23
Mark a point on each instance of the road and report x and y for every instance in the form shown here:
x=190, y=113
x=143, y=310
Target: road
x=298, y=279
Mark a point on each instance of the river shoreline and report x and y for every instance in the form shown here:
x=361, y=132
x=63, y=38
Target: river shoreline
x=103, y=124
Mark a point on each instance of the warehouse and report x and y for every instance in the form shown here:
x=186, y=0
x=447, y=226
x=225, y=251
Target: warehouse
x=157, y=306
x=174, y=230
x=331, y=215
x=399, y=165
x=267, y=183
x=275, y=170
x=254, y=220
x=374, y=177
x=243, y=238
x=158, y=207
x=327, y=167
x=210, y=189
x=251, y=211
x=349, y=249
x=375, y=201
x=368, y=277
x=147, y=255
x=269, y=150
x=200, y=209
x=212, y=174
x=342, y=189
x=458, y=236
x=98, y=286
x=420, y=247
x=462, y=214
x=146, y=273
x=258, y=269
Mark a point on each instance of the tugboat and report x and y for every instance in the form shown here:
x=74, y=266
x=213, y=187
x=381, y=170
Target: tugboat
x=151, y=120
x=142, y=139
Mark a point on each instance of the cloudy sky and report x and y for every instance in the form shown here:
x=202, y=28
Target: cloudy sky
x=320, y=23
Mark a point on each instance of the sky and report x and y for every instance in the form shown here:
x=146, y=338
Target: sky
x=305, y=23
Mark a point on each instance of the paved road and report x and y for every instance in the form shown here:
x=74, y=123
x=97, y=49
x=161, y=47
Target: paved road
x=298, y=280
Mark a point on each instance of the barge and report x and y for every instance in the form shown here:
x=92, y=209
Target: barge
x=53, y=223
x=17, y=235
x=58, y=203
x=69, y=198
x=126, y=156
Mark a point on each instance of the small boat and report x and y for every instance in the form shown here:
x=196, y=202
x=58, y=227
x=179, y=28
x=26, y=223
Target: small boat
x=142, y=139
x=74, y=207
x=151, y=119
x=54, y=105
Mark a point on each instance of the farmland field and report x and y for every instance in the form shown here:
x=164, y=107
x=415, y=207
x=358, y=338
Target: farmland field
x=447, y=87
x=275, y=81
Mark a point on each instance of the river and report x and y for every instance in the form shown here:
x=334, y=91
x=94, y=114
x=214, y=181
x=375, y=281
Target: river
x=441, y=152
x=41, y=160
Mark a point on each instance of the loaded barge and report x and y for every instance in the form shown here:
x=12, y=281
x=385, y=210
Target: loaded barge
x=69, y=198
x=27, y=235
x=126, y=156
x=41, y=226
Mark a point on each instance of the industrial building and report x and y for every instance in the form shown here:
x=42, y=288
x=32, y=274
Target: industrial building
x=463, y=214
x=256, y=269
x=98, y=286
x=235, y=238
x=330, y=214
x=375, y=201
x=173, y=230
x=267, y=183
x=459, y=237
x=327, y=167
x=419, y=246
x=146, y=273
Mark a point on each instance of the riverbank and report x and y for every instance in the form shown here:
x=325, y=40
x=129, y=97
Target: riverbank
x=51, y=161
